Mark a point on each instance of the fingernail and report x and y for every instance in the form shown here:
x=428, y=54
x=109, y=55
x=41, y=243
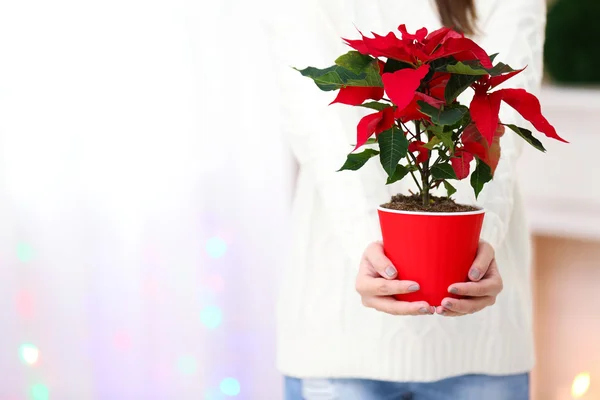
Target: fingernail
x=425, y=310
x=390, y=271
x=454, y=290
x=414, y=288
x=447, y=304
x=432, y=309
x=474, y=274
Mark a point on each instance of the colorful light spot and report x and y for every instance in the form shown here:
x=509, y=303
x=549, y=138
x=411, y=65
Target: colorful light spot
x=39, y=392
x=211, y=317
x=216, y=247
x=187, y=365
x=24, y=252
x=230, y=387
x=581, y=384
x=29, y=353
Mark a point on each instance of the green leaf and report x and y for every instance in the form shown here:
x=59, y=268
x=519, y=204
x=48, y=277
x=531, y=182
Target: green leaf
x=354, y=61
x=463, y=122
x=449, y=188
x=393, y=146
x=528, y=136
x=373, y=105
x=401, y=172
x=458, y=84
x=467, y=68
x=337, y=77
x=331, y=78
x=432, y=143
x=359, y=64
x=445, y=116
x=440, y=64
x=357, y=160
x=372, y=79
x=442, y=135
x=481, y=176
x=442, y=172
x=394, y=65
x=446, y=139
x=500, y=69
x=475, y=68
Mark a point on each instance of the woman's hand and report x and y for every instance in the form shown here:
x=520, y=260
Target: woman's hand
x=376, y=283
x=481, y=292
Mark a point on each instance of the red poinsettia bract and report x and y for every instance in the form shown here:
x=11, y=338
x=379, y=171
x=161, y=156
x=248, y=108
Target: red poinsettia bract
x=374, y=123
x=419, y=77
x=485, y=107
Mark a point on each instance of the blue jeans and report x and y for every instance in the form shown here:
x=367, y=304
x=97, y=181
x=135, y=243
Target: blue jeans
x=465, y=387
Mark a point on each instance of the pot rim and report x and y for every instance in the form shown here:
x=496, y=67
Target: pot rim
x=432, y=214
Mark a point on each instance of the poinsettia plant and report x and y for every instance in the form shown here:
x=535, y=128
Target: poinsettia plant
x=412, y=83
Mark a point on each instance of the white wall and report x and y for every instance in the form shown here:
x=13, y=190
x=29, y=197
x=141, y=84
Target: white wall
x=559, y=186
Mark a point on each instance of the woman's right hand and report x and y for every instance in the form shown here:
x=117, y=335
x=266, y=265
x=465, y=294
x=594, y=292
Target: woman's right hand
x=376, y=283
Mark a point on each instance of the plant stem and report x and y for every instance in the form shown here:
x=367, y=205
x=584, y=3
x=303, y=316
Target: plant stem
x=426, y=188
x=435, y=184
x=414, y=160
x=412, y=173
x=438, y=160
x=409, y=131
x=424, y=172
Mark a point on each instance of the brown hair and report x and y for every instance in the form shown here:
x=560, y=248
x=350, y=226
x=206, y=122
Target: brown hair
x=458, y=14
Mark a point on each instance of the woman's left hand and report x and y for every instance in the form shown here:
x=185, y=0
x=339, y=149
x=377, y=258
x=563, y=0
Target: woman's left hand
x=481, y=292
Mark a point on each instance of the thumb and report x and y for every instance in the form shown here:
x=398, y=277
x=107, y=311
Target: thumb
x=483, y=260
x=376, y=257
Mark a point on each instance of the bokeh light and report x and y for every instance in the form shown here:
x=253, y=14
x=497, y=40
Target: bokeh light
x=24, y=252
x=187, y=365
x=29, y=353
x=581, y=384
x=216, y=247
x=230, y=387
x=39, y=392
x=211, y=317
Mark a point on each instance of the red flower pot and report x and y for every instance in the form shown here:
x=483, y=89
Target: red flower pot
x=433, y=249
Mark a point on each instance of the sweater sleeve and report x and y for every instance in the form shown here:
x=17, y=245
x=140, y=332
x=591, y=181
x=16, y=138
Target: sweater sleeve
x=515, y=30
x=320, y=136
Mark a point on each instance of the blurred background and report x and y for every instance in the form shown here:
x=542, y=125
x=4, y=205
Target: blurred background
x=564, y=209
x=137, y=260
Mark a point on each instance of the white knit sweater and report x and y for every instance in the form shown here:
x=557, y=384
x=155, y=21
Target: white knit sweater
x=323, y=330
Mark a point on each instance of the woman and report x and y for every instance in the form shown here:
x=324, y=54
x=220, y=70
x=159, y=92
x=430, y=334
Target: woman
x=330, y=345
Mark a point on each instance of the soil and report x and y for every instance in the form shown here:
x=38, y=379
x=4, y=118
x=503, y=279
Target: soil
x=415, y=203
